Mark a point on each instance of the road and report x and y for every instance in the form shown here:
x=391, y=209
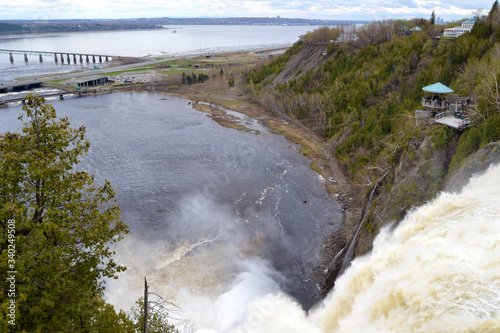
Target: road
x=22, y=82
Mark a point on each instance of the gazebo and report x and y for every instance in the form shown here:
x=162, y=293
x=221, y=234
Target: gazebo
x=414, y=29
x=435, y=102
x=448, y=111
x=438, y=88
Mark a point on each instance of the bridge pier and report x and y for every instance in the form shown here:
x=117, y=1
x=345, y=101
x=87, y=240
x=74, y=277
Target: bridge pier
x=58, y=57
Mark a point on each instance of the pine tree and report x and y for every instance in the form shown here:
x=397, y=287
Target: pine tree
x=61, y=225
x=494, y=14
x=494, y=8
x=432, y=20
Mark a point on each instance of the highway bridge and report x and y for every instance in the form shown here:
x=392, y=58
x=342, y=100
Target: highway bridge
x=19, y=85
x=58, y=56
x=61, y=95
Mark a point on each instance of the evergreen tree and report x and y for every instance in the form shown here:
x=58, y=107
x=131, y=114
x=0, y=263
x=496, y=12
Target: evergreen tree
x=494, y=9
x=432, y=20
x=56, y=226
x=494, y=14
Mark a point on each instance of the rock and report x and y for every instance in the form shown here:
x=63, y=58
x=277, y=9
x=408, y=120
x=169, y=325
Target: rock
x=476, y=163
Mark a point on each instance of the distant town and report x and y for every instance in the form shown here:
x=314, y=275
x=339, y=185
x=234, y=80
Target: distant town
x=8, y=27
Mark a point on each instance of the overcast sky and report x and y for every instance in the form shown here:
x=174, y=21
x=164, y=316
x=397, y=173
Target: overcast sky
x=317, y=9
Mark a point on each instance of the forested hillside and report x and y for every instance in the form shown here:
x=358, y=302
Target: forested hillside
x=361, y=94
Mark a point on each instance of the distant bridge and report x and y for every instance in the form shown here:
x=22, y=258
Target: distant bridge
x=58, y=56
x=5, y=103
x=19, y=85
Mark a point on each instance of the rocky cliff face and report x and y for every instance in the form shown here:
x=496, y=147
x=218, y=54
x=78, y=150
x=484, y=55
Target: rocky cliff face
x=405, y=186
x=475, y=164
x=418, y=177
x=416, y=181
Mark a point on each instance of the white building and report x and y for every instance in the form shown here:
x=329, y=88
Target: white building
x=458, y=31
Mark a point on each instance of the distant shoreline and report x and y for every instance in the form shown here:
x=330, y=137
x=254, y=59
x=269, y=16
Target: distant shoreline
x=29, y=27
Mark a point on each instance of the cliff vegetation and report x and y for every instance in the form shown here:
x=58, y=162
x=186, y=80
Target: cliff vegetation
x=358, y=88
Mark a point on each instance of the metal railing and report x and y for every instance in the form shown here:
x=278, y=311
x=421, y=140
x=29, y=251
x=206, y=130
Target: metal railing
x=443, y=114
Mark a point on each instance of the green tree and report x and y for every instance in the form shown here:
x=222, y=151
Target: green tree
x=489, y=84
x=63, y=223
x=432, y=20
x=494, y=11
x=157, y=318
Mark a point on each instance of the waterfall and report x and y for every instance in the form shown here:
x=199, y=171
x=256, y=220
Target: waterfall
x=438, y=271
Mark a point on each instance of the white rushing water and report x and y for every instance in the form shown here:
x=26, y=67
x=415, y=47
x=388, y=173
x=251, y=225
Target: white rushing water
x=438, y=271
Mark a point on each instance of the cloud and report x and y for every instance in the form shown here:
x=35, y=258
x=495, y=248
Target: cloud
x=321, y=9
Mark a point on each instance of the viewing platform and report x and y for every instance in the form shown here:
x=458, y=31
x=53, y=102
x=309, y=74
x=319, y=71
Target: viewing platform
x=447, y=109
x=453, y=103
x=452, y=119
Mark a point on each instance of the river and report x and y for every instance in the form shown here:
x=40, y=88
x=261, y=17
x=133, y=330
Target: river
x=187, y=39
x=217, y=217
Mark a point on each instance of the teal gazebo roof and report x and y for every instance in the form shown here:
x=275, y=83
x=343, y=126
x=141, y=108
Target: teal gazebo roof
x=438, y=88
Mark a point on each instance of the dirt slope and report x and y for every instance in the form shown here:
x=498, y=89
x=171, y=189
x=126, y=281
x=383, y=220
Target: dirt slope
x=310, y=56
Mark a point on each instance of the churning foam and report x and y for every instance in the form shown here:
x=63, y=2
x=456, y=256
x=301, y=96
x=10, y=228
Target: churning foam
x=438, y=271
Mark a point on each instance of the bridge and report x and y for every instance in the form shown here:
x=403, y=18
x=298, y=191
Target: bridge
x=75, y=56
x=5, y=103
x=19, y=85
